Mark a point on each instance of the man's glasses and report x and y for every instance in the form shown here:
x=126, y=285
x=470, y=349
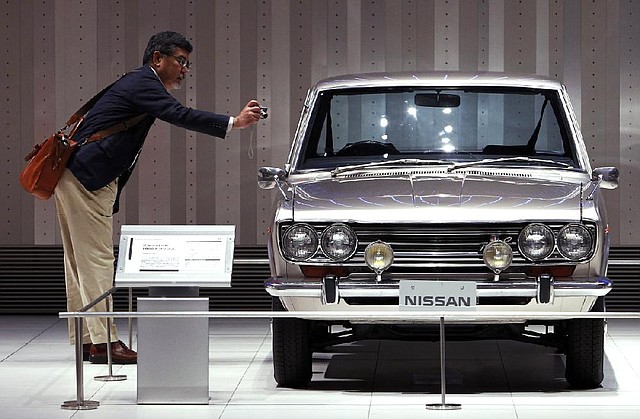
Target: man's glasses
x=184, y=63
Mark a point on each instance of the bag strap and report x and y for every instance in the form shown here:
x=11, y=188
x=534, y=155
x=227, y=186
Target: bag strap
x=120, y=126
x=78, y=116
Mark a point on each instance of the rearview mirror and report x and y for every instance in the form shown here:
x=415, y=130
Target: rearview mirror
x=437, y=100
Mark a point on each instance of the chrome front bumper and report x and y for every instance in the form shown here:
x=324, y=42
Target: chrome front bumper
x=543, y=289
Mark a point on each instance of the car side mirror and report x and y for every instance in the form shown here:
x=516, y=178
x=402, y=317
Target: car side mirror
x=606, y=177
x=269, y=177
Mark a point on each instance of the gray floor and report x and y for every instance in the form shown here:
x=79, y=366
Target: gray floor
x=376, y=379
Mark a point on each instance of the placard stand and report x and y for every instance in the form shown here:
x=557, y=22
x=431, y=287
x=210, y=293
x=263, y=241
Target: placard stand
x=174, y=262
x=173, y=353
x=443, y=378
x=462, y=293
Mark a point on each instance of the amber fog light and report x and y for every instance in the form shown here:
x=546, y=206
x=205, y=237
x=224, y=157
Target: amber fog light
x=378, y=256
x=497, y=256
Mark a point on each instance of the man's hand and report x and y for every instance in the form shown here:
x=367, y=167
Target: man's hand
x=248, y=116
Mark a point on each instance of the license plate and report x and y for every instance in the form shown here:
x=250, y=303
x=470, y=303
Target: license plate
x=437, y=295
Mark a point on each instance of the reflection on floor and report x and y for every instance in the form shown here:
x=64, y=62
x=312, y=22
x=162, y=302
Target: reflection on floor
x=373, y=379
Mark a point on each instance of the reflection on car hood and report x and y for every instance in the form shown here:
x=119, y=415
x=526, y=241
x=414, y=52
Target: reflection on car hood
x=438, y=198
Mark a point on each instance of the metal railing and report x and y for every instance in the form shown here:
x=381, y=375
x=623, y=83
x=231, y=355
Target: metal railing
x=441, y=317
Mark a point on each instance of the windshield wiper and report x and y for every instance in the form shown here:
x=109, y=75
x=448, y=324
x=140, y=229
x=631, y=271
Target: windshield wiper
x=457, y=166
x=399, y=162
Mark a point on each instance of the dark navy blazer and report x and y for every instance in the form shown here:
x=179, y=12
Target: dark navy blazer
x=98, y=163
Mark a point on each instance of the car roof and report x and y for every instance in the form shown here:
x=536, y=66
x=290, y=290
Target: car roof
x=439, y=78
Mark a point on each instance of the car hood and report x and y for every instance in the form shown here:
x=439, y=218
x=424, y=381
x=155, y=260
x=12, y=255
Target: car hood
x=439, y=198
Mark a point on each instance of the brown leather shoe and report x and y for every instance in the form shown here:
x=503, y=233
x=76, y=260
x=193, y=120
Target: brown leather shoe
x=120, y=354
x=85, y=351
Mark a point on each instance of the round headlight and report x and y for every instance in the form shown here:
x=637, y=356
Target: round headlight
x=378, y=256
x=300, y=242
x=338, y=242
x=575, y=241
x=497, y=256
x=536, y=241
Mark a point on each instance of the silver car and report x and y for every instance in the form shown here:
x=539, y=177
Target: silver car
x=419, y=191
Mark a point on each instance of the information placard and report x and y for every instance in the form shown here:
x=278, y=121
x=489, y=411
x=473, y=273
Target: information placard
x=167, y=255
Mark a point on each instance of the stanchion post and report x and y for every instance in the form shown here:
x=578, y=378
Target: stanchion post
x=110, y=376
x=443, y=377
x=130, y=318
x=80, y=403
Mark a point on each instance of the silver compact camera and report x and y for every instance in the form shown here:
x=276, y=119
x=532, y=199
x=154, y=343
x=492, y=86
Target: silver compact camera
x=263, y=112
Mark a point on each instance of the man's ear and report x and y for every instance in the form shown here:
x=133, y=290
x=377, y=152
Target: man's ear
x=156, y=57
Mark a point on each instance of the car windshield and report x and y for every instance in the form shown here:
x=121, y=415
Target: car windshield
x=437, y=126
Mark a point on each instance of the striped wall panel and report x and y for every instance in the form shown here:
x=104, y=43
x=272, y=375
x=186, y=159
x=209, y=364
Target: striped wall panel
x=32, y=282
x=58, y=53
x=624, y=270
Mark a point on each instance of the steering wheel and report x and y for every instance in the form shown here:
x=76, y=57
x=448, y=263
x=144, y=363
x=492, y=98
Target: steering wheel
x=367, y=148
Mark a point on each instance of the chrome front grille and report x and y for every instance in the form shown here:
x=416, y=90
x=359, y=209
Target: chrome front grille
x=441, y=248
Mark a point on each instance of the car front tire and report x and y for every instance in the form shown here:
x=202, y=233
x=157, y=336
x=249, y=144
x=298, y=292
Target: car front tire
x=585, y=353
x=292, y=352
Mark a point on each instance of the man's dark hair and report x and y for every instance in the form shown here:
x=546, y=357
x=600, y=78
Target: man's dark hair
x=166, y=43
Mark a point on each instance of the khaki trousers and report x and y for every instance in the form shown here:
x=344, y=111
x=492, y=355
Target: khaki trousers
x=86, y=227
